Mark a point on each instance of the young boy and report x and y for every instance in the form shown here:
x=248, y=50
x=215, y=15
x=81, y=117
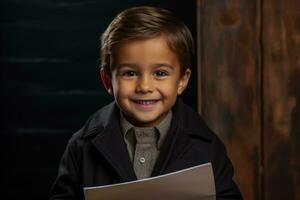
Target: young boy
x=147, y=131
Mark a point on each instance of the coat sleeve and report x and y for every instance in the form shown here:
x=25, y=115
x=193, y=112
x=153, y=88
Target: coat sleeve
x=226, y=188
x=68, y=184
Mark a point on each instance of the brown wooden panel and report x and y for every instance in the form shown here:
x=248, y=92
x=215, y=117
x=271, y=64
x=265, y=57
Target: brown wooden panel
x=281, y=41
x=229, y=83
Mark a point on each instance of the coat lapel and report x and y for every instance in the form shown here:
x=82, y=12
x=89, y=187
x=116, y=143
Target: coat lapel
x=174, y=144
x=110, y=143
x=186, y=125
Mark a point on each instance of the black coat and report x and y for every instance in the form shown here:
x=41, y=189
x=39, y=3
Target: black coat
x=97, y=154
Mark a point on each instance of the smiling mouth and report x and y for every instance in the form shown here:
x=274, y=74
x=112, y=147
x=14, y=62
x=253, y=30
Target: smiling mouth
x=145, y=102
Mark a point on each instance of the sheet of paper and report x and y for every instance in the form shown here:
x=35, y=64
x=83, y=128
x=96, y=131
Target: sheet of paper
x=195, y=183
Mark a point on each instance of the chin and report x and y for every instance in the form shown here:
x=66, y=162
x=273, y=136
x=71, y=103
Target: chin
x=145, y=121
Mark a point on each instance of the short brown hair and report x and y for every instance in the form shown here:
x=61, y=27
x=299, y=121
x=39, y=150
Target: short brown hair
x=147, y=22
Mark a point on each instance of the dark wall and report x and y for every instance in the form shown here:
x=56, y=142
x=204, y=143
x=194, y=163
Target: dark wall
x=50, y=85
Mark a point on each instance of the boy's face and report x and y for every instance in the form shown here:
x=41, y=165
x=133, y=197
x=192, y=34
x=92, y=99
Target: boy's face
x=146, y=80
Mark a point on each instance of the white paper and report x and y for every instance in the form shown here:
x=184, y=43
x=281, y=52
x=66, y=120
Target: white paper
x=195, y=183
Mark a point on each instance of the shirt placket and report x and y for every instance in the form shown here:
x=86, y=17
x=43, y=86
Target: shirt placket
x=144, y=152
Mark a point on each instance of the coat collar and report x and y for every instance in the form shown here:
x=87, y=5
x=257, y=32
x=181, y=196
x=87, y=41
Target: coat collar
x=185, y=126
x=191, y=122
x=111, y=145
x=105, y=132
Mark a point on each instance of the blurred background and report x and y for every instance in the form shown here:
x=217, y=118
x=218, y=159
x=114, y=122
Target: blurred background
x=249, y=90
x=50, y=82
x=245, y=83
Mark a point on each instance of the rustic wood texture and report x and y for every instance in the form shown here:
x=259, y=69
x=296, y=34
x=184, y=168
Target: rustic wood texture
x=281, y=75
x=249, y=90
x=229, y=80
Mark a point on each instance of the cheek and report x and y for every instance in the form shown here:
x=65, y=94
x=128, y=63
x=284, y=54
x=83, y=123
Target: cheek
x=168, y=90
x=122, y=89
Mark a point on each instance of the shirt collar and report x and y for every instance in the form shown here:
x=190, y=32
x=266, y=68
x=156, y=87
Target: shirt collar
x=162, y=128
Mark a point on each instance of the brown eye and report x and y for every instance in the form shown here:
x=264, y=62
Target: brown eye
x=129, y=73
x=161, y=73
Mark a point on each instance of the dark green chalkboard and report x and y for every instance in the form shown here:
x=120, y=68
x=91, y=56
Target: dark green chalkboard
x=49, y=82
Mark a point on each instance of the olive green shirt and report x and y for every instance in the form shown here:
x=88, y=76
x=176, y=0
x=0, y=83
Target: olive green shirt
x=144, y=144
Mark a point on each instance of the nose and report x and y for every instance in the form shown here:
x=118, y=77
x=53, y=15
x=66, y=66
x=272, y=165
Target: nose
x=144, y=84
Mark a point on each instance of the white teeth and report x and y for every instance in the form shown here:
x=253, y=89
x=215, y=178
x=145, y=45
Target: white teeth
x=145, y=102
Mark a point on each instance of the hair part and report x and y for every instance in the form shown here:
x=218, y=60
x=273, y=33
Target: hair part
x=146, y=22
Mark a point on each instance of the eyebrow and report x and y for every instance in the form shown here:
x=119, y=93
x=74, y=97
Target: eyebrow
x=127, y=65
x=132, y=65
x=164, y=65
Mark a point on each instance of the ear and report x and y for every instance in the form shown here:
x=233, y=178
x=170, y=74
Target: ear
x=106, y=81
x=183, y=82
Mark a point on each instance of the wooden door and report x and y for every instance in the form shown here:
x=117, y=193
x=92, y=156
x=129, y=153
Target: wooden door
x=249, y=88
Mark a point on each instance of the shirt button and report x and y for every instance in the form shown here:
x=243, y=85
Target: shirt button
x=142, y=160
